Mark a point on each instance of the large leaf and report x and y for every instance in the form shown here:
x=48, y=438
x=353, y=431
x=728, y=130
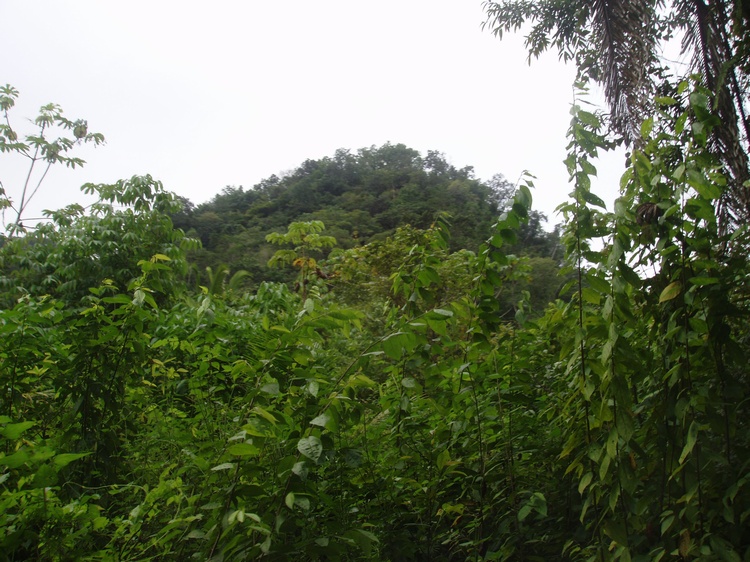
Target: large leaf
x=243, y=450
x=692, y=438
x=64, y=459
x=327, y=420
x=670, y=291
x=14, y=430
x=701, y=184
x=311, y=447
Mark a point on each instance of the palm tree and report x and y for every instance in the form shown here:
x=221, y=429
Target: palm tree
x=618, y=43
x=217, y=280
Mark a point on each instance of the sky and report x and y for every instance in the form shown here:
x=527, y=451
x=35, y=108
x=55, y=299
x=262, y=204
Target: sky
x=203, y=95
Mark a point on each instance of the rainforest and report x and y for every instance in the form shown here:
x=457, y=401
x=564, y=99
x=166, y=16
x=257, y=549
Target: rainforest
x=378, y=356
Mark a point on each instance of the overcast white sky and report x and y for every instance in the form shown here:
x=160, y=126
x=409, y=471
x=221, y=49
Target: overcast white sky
x=202, y=95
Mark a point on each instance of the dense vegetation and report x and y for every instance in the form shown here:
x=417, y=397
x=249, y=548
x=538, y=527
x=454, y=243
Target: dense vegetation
x=360, y=197
x=399, y=400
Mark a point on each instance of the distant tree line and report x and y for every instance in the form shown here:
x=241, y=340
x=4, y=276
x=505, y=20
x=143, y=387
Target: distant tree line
x=361, y=197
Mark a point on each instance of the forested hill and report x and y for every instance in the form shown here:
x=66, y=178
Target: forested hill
x=360, y=197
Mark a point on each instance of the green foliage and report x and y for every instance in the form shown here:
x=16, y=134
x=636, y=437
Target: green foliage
x=39, y=149
x=622, y=46
x=220, y=282
x=306, y=238
x=654, y=391
x=78, y=248
x=421, y=406
x=361, y=197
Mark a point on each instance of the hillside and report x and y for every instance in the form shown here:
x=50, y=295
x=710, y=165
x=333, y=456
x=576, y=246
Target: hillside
x=361, y=197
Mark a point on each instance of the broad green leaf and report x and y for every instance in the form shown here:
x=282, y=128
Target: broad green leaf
x=363, y=539
x=265, y=546
x=437, y=326
x=701, y=281
x=646, y=127
x=327, y=420
x=46, y=476
x=604, y=467
x=667, y=524
x=370, y=536
x=537, y=502
x=312, y=388
x=587, y=167
x=585, y=481
x=311, y=447
x=524, y=512
x=320, y=420
x=588, y=118
x=692, y=437
x=13, y=431
x=701, y=184
x=724, y=550
x=699, y=100
x=441, y=312
x=264, y=414
x=665, y=100
x=597, y=283
x=64, y=459
x=590, y=295
x=289, y=500
x=508, y=236
x=223, y=466
x=16, y=459
x=118, y=299
x=523, y=196
x=353, y=457
x=428, y=276
x=594, y=199
x=270, y=388
x=630, y=276
x=300, y=469
x=616, y=531
x=392, y=345
x=670, y=292
x=625, y=425
x=302, y=355
x=679, y=125
x=612, y=442
x=239, y=436
x=443, y=458
x=361, y=380
x=243, y=450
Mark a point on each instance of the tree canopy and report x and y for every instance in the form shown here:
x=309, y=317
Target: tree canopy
x=620, y=43
x=360, y=197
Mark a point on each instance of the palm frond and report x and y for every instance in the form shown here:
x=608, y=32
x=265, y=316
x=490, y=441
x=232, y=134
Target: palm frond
x=707, y=36
x=625, y=35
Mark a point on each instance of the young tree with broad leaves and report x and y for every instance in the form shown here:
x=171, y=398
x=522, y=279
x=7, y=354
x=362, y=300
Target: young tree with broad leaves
x=55, y=136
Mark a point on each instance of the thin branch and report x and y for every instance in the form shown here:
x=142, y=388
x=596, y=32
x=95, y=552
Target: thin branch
x=28, y=179
x=38, y=185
